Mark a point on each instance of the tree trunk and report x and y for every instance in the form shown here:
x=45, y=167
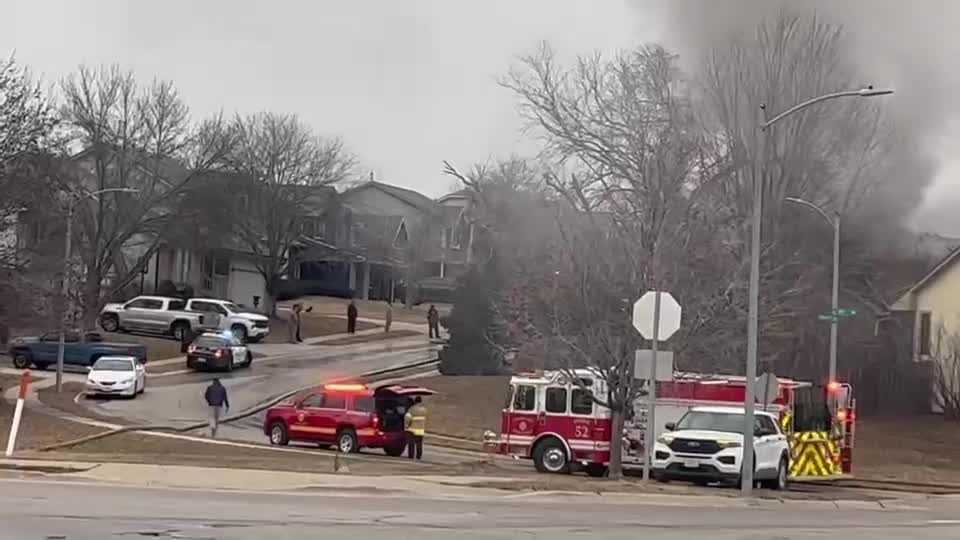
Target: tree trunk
x=90, y=301
x=616, y=444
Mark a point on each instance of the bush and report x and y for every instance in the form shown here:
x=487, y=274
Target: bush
x=469, y=352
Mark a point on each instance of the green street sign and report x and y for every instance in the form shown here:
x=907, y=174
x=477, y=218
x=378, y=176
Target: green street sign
x=846, y=312
x=826, y=317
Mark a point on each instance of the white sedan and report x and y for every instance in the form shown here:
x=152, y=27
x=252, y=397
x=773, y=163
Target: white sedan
x=116, y=375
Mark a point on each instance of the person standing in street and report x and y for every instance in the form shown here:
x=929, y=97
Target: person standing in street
x=293, y=324
x=388, y=317
x=297, y=319
x=433, y=322
x=352, y=317
x=216, y=396
x=415, y=426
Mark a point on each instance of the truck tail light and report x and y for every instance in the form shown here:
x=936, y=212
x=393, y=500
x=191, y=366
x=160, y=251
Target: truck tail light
x=376, y=421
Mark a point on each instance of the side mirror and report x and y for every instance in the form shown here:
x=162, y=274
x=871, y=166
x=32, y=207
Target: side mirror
x=759, y=432
x=670, y=426
x=89, y=369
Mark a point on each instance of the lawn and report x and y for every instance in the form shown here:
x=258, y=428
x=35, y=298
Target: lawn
x=370, y=338
x=370, y=309
x=312, y=325
x=36, y=428
x=465, y=406
x=921, y=448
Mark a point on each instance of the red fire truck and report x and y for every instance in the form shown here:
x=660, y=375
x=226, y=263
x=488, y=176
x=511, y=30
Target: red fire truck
x=551, y=418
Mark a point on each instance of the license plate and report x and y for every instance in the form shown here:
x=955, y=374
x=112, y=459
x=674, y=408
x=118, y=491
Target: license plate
x=691, y=464
x=201, y=360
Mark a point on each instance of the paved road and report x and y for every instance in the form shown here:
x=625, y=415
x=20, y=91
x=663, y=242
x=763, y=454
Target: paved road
x=178, y=399
x=52, y=509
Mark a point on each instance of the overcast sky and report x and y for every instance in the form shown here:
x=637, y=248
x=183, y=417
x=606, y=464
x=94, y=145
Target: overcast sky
x=405, y=83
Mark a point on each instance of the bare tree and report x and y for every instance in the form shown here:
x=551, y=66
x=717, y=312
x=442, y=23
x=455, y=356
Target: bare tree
x=946, y=373
x=282, y=164
x=27, y=125
x=625, y=132
x=834, y=154
x=130, y=137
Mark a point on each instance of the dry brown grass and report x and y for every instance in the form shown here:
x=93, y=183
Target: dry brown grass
x=465, y=406
x=312, y=325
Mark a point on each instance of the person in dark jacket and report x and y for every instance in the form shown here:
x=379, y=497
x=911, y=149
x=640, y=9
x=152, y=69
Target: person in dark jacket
x=216, y=396
x=433, y=321
x=351, y=318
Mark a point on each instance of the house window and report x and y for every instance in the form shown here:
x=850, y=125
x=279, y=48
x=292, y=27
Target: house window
x=925, y=334
x=356, y=234
x=459, y=232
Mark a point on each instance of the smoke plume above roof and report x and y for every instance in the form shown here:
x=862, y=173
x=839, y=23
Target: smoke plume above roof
x=892, y=44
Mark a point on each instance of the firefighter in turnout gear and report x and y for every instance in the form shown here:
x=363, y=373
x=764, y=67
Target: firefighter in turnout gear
x=415, y=424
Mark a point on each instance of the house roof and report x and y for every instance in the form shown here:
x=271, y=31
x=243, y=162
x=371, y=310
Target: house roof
x=459, y=194
x=409, y=196
x=902, y=303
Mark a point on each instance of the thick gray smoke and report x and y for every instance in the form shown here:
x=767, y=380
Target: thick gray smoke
x=910, y=46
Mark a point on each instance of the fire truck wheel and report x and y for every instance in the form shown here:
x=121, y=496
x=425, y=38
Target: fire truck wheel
x=597, y=470
x=551, y=457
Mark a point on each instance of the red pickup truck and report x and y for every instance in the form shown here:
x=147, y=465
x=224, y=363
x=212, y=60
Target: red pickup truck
x=347, y=416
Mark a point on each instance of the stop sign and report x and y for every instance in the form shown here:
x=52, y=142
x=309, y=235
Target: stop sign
x=644, y=315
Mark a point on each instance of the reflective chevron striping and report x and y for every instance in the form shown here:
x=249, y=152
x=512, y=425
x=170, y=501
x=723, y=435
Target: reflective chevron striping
x=813, y=453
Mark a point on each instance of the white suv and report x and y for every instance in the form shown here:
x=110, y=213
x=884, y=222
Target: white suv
x=706, y=446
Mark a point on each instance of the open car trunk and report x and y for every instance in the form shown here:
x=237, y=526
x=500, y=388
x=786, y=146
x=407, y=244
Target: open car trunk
x=393, y=401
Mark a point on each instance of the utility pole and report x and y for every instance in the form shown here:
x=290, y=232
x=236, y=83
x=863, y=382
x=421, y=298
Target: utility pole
x=835, y=311
x=65, y=291
x=746, y=477
x=834, y=300
x=746, y=484
x=72, y=199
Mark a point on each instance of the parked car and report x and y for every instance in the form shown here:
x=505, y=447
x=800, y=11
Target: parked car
x=706, y=445
x=153, y=314
x=222, y=351
x=349, y=416
x=78, y=350
x=116, y=375
x=245, y=324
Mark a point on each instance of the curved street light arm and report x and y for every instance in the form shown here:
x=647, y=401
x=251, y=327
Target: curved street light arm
x=865, y=92
x=808, y=204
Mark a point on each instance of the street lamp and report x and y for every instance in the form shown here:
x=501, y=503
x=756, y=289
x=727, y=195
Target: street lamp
x=834, y=222
x=746, y=485
x=65, y=285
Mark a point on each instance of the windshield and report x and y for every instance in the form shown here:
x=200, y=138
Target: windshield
x=712, y=421
x=113, y=364
x=231, y=307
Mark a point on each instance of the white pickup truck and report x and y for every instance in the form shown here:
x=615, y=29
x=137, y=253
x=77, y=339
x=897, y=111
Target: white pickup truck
x=177, y=317
x=245, y=324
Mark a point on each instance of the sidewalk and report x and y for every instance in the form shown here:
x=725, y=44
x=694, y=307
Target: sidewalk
x=215, y=478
